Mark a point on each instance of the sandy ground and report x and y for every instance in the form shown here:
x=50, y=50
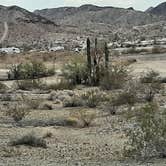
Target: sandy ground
x=145, y=63
x=99, y=145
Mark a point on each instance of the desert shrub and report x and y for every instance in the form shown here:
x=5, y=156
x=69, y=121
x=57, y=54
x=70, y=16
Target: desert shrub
x=62, y=85
x=133, y=92
x=92, y=98
x=29, y=140
x=3, y=88
x=115, y=77
x=151, y=77
x=29, y=84
x=85, y=117
x=147, y=138
x=124, y=98
x=17, y=111
x=150, y=90
x=74, y=101
x=29, y=70
x=69, y=122
x=51, y=71
x=151, y=85
x=76, y=72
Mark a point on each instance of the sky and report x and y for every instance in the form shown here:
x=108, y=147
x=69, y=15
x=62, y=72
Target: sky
x=41, y=4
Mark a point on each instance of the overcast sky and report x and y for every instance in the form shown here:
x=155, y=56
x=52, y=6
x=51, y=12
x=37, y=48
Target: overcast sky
x=40, y=4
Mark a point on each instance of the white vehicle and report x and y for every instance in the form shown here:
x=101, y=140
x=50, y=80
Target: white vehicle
x=58, y=48
x=10, y=50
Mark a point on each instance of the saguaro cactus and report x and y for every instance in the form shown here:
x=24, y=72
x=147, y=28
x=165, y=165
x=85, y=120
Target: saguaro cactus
x=106, y=51
x=95, y=53
x=89, y=63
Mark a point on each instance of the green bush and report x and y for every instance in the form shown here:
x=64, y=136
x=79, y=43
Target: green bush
x=76, y=72
x=115, y=77
x=74, y=101
x=91, y=98
x=147, y=138
x=29, y=70
x=151, y=77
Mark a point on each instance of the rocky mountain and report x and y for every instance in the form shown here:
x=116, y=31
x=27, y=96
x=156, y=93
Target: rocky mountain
x=149, y=9
x=103, y=22
x=23, y=26
x=89, y=14
x=159, y=10
x=65, y=24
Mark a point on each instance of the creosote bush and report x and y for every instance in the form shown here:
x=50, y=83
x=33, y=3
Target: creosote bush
x=29, y=139
x=115, y=77
x=76, y=71
x=29, y=70
x=17, y=111
x=151, y=85
x=147, y=138
x=74, y=101
x=151, y=77
x=91, y=98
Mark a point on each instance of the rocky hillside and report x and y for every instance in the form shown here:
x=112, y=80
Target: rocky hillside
x=24, y=26
x=159, y=10
x=44, y=27
x=105, y=22
x=90, y=14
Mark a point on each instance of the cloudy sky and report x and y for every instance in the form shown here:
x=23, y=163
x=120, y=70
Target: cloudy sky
x=40, y=4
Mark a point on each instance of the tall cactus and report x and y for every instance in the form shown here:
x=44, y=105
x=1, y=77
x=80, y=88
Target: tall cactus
x=106, y=51
x=95, y=53
x=89, y=63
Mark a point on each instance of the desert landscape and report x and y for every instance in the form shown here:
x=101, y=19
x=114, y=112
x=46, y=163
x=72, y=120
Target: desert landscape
x=83, y=86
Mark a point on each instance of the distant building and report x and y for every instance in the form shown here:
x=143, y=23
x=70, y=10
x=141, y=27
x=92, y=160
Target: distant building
x=10, y=50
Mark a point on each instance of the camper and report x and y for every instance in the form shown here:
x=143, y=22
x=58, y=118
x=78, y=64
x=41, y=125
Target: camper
x=58, y=48
x=10, y=50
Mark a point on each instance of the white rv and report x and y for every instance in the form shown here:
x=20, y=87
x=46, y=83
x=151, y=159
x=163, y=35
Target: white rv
x=10, y=50
x=58, y=48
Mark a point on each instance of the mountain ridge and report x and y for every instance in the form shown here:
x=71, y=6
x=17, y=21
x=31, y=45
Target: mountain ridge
x=42, y=27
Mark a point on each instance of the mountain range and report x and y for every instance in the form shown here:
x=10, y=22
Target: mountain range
x=42, y=27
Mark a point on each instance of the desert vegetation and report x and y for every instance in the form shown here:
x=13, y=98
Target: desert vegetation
x=94, y=107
